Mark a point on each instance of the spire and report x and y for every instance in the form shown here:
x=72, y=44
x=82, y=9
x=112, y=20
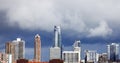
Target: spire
x=37, y=35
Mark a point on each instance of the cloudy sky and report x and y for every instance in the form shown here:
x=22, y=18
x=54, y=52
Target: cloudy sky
x=93, y=22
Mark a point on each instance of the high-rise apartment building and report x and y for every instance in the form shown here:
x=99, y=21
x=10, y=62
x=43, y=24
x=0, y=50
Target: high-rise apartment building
x=113, y=52
x=10, y=49
x=37, y=48
x=19, y=48
x=16, y=48
x=56, y=50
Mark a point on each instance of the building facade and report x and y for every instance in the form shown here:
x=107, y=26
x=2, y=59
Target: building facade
x=55, y=53
x=16, y=48
x=72, y=56
x=77, y=47
x=19, y=48
x=103, y=58
x=5, y=58
x=91, y=56
x=56, y=49
x=37, y=48
x=57, y=36
x=10, y=49
x=113, y=52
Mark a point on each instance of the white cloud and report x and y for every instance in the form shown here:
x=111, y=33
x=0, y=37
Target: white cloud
x=77, y=15
x=102, y=30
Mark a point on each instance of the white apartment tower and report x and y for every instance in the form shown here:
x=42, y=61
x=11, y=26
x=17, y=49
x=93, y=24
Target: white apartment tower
x=19, y=48
x=91, y=56
x=72, y=56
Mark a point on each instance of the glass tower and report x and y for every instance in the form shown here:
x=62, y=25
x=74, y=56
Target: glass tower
x=57, y=36
x=56, y=50
x=113, y=52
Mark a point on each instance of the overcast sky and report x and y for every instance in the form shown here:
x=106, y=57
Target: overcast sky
x=93, y=22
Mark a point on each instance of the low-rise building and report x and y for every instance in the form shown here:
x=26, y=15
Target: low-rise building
x=5, y=58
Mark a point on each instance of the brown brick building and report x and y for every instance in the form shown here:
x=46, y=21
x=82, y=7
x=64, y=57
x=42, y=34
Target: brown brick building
x=37, y=48
x=10, y=49
x=56, y=61
x=22, y=61
x=27, y=61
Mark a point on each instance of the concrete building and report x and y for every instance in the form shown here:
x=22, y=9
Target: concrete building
x=72, y=56
x=10, y=58
x=5, y=58
x=37, y=48
x=103, y=58
x=10, y=49
x=56, y=49
x=19, y=48
x=91, y=56
x=16, y=48
x=77, y=47
x=113, y=52
x=55, y=53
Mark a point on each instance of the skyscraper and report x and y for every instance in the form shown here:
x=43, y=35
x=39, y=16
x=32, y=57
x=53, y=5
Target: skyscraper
x=113, y=52
x=37, y=48
x=57, y=36
x=56, y=50
x=19, y=48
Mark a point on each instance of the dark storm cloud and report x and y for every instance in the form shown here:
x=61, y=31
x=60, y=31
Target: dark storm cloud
x=83, y=16
x=92, y=22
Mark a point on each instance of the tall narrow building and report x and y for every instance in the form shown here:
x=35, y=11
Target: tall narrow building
x=56, y=50
x=37, y=48
x=10, y=49
x=57, y=36
x=77, y=47
x=19, y=48
x=113, y=52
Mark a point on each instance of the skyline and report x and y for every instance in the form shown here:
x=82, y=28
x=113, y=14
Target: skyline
x=92, y=22
x=46, y=57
